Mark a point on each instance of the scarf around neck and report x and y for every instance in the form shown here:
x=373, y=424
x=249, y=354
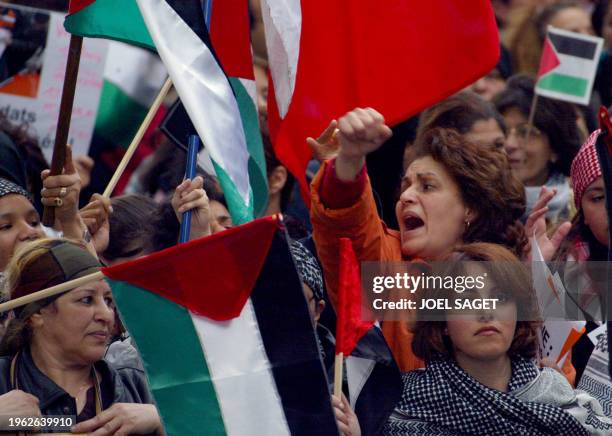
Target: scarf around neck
x=446, y=397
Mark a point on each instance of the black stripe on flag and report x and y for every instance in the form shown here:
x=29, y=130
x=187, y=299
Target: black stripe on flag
x=573, y=46
x=291, y=345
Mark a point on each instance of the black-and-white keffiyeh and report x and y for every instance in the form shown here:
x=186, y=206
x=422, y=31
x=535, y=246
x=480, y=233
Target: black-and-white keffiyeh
x=308, y=268
x=444, y=400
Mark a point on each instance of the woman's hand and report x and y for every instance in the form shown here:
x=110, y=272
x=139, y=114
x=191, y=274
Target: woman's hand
x=19, y=403
x=122, y=419
x=62, y=193
x=326, y=146
x=535, y=227
x=95, y=215
x=190, y=195
x=347, y=421
x=361, y=132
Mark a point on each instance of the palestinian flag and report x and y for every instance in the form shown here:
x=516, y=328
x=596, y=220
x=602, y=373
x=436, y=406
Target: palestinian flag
x=217, y=92
x=110, y=19
x=132, y=79
x=224, y=331
x=397, y=56
x=568, y=66
x=218, y=88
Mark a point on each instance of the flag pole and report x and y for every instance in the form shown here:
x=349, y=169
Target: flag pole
x=137, y=138
x=49, y=292
x=190, y=172
x=532, y=111
x=338, y=374
x=65, y=114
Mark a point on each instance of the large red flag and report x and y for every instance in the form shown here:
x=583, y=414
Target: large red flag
x=397, y=56
x=350, y=327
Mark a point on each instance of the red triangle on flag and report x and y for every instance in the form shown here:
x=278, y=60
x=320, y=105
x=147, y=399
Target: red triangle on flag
x=77, y=5
x=211, y=276
x=350, y=326
x=549, y=60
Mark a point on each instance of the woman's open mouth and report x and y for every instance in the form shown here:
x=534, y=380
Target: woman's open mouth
x=412, y=222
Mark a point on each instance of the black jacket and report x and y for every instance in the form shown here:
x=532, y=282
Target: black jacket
x=117, y=385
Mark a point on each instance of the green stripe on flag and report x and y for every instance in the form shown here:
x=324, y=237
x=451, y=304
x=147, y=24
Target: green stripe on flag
x=179, y=377
x=113, y=19
x=241, y=213
x=119, y=116
x=258, y=177
x=564, y=84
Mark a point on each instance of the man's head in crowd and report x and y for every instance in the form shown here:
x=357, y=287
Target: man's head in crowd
x=19, y=220
x=471, y=115
x=553, y=141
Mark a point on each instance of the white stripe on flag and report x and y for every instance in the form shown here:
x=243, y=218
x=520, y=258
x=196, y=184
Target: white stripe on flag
x=241, y=373
x=204, y=90
x=576, y=67
x=358, y=371
x=283, y=24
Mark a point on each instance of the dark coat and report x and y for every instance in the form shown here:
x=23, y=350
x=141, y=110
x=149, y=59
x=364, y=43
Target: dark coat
x=117, y=385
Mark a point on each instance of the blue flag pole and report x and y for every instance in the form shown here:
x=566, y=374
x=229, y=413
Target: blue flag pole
x=190, y=172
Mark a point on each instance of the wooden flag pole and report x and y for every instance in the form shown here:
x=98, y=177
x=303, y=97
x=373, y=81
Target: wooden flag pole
x=65, y=115
x=532, y=111
x=137, y=138
x=337, y=374
x=49, y=292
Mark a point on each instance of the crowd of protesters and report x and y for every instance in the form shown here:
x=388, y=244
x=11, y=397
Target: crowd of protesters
x=482, y=181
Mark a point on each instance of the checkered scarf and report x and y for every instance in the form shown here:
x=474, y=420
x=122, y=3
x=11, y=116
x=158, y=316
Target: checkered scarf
x=443, y=399
x=585, y=168
x=308, y=268
x=7, y=187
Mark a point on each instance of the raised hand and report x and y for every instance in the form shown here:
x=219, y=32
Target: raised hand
x=326, y=146
x=535, y=227
x=95, y=215
x=190, y=195
x=361, y=132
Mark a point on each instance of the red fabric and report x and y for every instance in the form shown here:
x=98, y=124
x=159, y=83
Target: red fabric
x=350, y=327
x=585, y=168
x=549, y=60
x=338, y=194
x=77, y=5
x=231, y=38
x=397, y=56
x=181, y=273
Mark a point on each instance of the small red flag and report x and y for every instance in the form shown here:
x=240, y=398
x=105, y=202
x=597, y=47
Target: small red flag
x=350, y=327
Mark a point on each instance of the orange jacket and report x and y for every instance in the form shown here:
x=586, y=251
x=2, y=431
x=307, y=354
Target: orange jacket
x=373, y=241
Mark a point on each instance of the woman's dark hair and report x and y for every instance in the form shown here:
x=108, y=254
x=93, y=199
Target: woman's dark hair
x=131, y=226
x=460, y=112
x=486, y=183
x=272, y=163
x=505, y=269
x=556, y=119
x=580, y=232
x=548, y=13
x=598, y=16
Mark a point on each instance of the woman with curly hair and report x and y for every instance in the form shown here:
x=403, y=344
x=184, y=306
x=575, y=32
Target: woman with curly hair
x=454, y=191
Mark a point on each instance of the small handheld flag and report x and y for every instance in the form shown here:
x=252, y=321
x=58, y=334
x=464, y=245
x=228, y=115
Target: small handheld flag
x=568, y=66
